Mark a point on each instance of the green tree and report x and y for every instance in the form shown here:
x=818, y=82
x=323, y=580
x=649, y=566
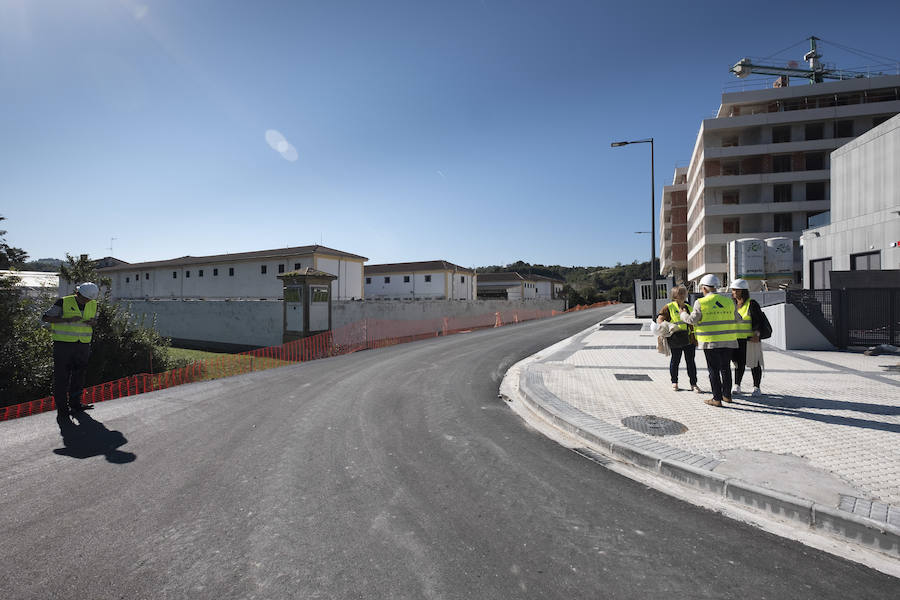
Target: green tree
x=10, y=256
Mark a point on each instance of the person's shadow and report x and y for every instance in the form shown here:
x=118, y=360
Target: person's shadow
x=90, y=438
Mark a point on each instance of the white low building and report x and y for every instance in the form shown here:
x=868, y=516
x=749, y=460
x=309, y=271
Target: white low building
x=432, y=280
x=863, y=232
x=548, y=287
x=509, y=285
x=34, y=283
x=244, y=275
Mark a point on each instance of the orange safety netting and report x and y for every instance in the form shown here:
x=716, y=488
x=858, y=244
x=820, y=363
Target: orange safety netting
x=362, y=335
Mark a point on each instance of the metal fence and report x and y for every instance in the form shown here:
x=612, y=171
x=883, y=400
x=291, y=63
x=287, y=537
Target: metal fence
x=852, y=317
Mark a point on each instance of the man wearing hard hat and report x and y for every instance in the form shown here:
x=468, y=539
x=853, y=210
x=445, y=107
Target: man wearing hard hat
x=715, y=319
x=72, y=320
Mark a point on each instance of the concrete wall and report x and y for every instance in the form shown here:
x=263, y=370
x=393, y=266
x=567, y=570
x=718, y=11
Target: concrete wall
x=238, y=324
x=791, y=330
x=865, y=206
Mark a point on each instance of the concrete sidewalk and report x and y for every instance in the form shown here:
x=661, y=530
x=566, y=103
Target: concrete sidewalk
x=819, y=447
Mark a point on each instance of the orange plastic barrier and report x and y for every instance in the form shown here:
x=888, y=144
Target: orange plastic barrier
x=362, y=335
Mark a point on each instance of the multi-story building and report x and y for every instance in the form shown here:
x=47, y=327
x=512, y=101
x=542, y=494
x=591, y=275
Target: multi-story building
x=548, y=287
x=863, y=233
x=761, y=167
x=424, y=280
x=673, y=227
x=252, y=275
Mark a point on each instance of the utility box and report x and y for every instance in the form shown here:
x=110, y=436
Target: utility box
x=307, y=303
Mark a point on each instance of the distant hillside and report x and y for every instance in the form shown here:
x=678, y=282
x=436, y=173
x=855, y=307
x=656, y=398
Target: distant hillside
x=48, y=265
x=586, y=284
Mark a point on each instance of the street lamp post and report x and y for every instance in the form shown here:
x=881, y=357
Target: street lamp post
x=652, y=220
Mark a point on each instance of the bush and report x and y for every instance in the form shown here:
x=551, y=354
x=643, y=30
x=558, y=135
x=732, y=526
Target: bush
x=26, y=349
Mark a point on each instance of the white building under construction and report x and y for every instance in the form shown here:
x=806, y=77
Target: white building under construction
x=761, y=167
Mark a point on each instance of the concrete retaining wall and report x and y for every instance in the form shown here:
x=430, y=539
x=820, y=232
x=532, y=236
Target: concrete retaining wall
x=791, y=330
x=241, y=324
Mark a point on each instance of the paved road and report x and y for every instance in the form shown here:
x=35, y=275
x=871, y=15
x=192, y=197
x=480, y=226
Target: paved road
x=394, y=473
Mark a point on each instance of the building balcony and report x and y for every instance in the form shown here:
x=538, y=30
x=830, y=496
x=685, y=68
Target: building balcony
x=831, y=113
x=729, y=210
x=782, y=148
x=720, y=181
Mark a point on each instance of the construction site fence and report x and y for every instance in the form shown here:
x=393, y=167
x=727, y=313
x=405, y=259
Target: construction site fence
x=362, y=335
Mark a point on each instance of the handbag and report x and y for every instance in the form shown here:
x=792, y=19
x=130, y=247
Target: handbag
x=765, y=328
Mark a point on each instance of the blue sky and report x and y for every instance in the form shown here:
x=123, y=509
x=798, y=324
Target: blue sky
x=472, y=131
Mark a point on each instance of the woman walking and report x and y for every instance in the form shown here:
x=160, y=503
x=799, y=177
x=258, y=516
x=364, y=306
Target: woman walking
x=682, y=341
x=749, y=351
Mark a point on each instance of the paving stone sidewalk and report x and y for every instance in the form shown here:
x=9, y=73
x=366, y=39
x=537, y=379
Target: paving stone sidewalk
x=827, y=427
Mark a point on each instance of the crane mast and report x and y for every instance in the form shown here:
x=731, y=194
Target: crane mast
x=816, y=73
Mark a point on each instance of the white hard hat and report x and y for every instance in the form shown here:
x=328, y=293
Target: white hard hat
x=88, y=290
x=710, y=280
x=740, y=284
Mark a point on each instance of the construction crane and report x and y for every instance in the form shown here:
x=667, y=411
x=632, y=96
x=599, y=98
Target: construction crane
x=816, y=73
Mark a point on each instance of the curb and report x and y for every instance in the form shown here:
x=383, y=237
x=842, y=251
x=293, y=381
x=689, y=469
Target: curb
x=649, y=456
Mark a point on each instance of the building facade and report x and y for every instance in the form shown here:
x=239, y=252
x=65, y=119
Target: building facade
x=424, y=280
x=508, y=286
x=246, y=275
x=762, y=167
x=673, y=227
x=864, y=228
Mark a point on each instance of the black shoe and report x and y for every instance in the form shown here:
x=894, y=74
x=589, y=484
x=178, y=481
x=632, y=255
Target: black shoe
x=82, y=407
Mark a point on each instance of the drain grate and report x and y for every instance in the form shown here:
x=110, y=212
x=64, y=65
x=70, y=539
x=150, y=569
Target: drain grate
x=652, y=425
x=632, y=377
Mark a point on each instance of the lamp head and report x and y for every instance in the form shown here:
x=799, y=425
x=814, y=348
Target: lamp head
x=617, y=144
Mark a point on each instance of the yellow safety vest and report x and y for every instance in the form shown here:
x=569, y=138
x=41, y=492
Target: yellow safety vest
x=76, y=331
x=745, y=327
x=718, y=324
x=675, y=316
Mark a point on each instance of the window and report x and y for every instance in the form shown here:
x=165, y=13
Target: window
x=781, y=134
x=462, y=278
x=820, y=274
x=843, y=129
x=781, y=164
x=215, y=272
x=387, y=279
x=128, y=280
x=815, y=161
x=815, y=131
x=406, y=279
x=199, y=272
x=731, y=168
x=783, y=192
x=868, y=261
x=782, y=222
x=731, y=226
x=815, y=190
x=729, y=141
x=137, y=277
x=262, y=269
x=318, y=293
x=146, y=276
x=174, y=274
x=187, y=274
x=231, y=271
x=428, y=279
x=296, y=266
x=281, y=268
x=368, y=280
x=731, y=197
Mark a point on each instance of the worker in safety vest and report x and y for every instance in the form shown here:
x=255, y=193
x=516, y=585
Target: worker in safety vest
x=72, y=320
x=716, y=325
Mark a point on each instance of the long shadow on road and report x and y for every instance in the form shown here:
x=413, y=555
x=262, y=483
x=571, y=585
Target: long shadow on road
x=89, y=437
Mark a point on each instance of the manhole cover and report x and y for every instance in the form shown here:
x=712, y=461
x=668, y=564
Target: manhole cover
x=623, y=326
x=652, y=425
x=632, y=377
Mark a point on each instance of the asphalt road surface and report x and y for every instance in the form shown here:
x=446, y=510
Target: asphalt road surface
x=394, y=473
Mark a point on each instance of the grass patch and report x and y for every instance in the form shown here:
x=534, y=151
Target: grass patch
x=221, y=364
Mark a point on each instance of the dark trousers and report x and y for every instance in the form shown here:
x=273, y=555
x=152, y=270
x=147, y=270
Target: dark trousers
x=675, y=361
x=718, y=363
x=70, y=361
x=740, y=364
